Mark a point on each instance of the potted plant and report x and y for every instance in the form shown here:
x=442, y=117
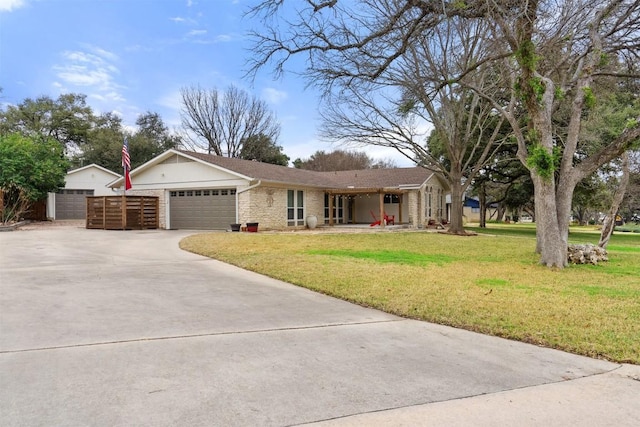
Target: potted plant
x=235, y=227
x=252, y=227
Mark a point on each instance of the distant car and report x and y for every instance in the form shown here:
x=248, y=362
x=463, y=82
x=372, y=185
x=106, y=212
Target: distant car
x=635, y=218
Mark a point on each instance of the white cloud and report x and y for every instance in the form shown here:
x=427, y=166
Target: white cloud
x=223, y=38
x=9, y=5
x=182, y=20
x=274, y=96
x=105, y=54
x=196, y=33
x=93, y=70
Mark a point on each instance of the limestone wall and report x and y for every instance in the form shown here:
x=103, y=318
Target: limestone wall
x=268, y=206
x=413, y=203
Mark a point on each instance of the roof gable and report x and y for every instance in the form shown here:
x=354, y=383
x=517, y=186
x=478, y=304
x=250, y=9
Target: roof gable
x=264, y=171
x=93, y=166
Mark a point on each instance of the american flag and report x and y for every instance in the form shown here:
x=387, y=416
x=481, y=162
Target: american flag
x=126, y=164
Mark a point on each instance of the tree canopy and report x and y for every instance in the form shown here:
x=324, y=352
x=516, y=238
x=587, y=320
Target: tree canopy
x=262, y=149
x=66, y=119
x=340, y=160
x=29, y=169
x=104, y=141
x=85, y=137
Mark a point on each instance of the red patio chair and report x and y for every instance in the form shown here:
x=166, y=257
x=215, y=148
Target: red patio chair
x=389, y=219
x=376, y=221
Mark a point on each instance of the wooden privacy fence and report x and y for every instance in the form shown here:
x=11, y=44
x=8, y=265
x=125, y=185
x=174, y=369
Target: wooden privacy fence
x=122, y=212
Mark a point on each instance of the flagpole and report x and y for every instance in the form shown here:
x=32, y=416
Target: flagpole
x=126, y=165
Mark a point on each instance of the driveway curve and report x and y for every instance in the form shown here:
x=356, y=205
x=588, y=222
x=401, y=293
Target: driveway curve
x=123, y=328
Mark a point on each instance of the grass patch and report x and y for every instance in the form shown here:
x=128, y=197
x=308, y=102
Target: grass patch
x=491, y=283
x=395, y=257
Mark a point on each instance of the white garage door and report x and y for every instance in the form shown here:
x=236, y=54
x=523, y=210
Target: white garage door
x=72, y=204
x=205, y=209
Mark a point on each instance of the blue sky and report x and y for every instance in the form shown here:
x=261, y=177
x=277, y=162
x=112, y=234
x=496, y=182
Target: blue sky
x=133, y=56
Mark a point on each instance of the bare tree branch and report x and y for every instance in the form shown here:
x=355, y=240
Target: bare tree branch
x=224, y=120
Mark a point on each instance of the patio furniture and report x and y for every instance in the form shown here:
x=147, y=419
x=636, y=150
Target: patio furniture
x=376, y=221
x=388, y=219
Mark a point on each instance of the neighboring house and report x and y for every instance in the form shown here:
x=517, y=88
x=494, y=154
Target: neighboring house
x=201, y=191
x=471, y=209
x=70, y=202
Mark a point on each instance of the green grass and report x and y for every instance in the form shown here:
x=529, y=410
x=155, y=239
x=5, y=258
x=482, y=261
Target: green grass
x=491, y=283
x=577, y=234
x=398, y=257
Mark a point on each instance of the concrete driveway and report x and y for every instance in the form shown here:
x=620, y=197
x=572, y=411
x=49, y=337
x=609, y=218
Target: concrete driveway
x=107, y=328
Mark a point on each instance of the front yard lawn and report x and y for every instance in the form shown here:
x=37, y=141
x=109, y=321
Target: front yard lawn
x=490, y=283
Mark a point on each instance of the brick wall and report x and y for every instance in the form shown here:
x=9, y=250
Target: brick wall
x=413, y=208
x=268, y=206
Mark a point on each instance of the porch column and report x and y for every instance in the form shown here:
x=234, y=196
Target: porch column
x=381, y=209
x=331, y=209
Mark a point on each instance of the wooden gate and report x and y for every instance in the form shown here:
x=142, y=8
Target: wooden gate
x=122, y=212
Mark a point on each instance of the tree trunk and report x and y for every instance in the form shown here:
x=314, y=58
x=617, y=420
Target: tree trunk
x=564, y=197
x=482, y=196
x=610, y=220
x=457, y=190
x=550, y=243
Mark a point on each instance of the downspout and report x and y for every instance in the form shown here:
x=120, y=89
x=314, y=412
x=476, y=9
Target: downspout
x=251, y=187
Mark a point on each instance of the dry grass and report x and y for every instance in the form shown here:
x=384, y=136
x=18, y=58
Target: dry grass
x=488, y=283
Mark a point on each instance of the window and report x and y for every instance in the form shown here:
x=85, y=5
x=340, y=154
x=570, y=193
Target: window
x=295, y=207
x=338, y=208
x=391, y=198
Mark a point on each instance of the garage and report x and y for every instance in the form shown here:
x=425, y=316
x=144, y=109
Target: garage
x=71, y=204
x=203, y=209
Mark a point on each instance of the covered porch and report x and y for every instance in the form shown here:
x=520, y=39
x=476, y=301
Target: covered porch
x=371, y=206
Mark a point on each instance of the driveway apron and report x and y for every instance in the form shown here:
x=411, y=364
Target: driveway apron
x=124, y=328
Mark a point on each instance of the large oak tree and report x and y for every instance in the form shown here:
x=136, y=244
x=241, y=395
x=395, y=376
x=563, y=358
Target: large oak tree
x=545, y=53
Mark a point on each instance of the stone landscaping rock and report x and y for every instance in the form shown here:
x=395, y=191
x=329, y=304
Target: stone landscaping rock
x=586, y=254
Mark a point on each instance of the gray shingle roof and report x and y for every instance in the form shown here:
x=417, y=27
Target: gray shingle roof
x=366, y=178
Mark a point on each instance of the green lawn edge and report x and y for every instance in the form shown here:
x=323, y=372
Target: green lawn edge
x=491, y=283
